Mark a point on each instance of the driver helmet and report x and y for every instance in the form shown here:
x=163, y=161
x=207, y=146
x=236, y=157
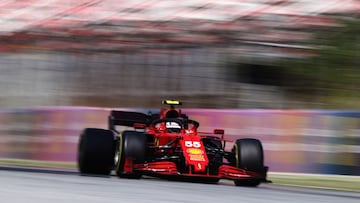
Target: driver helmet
x=173, y=127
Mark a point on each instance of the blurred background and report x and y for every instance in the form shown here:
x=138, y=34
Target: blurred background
x=211, y=54
x=60, y=60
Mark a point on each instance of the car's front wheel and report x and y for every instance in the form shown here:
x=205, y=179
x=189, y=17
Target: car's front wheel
x=249, y=155
x=132, y=146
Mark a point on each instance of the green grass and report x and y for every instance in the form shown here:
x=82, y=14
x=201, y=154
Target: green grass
x=35, y=163
x=334, y=182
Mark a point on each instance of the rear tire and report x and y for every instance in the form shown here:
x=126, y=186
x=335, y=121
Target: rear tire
x=132, y=145
x=249, y=155
x=96, y=151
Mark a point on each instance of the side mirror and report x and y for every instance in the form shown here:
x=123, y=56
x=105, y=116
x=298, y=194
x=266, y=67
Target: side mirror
x=139, y=125
x=219, y=131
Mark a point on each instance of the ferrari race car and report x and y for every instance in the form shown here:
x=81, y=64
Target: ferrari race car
x=168, y=145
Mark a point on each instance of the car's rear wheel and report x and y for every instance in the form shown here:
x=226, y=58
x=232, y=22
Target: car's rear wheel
x=249, y=155
x=132, y=146
x=96, y=151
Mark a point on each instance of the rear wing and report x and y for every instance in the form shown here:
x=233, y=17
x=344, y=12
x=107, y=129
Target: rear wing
x=128, y=118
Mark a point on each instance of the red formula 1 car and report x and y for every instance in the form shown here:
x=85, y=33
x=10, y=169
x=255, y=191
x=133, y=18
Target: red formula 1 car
x=168, y=145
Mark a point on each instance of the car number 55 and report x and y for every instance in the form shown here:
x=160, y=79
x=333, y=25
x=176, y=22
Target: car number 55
x=195, y=144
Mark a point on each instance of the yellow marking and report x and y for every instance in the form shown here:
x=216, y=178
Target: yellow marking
x=119, y=154
x=194, y=151
x=172, y=102
x=236, y=155
x=157, y=142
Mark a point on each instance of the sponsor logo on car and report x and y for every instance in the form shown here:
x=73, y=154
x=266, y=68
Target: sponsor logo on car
x=194, y=151
x=197, y=157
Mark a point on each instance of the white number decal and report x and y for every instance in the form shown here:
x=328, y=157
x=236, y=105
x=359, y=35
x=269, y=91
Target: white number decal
x=195, y=144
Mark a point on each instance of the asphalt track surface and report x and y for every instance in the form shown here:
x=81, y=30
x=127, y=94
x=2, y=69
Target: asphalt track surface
x=40, y=186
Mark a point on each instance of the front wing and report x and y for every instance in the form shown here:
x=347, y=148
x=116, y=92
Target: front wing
x=167, y=168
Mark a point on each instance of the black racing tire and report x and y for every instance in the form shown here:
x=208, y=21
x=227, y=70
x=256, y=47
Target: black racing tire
x=249, y=155
x=96, y=151
x=132, y=145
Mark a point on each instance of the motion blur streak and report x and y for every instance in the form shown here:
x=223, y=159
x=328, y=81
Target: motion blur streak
x=55, y=188
x=52, y=134
x=209, y=53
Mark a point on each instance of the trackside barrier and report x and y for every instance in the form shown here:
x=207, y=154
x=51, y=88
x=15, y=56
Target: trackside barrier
x=301, y=141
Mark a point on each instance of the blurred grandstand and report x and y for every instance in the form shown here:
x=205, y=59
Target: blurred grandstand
x=134, y=52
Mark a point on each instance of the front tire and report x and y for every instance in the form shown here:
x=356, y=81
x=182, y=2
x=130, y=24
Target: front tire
x=132, y=145
x=249, y=155
x=96, y=151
